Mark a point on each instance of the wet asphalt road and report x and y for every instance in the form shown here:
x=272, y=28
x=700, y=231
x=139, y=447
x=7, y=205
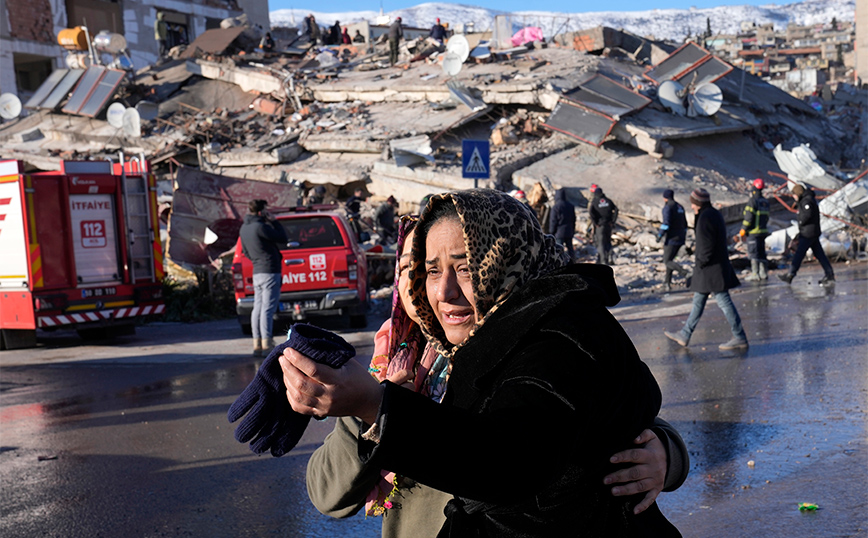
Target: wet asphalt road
x=129, y=438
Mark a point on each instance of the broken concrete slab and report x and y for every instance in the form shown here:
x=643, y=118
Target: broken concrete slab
x=281, y=155
x=415, y=183
x=248, y=79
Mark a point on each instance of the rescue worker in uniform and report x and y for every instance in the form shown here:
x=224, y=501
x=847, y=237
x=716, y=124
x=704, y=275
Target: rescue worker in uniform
x=396, y=33
x=262, y=239
x=673, y=233
x=604, y=214
x=809, y=237
x=438, y=32
x=754, y=230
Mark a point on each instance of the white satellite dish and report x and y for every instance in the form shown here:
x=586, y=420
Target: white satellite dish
x=132, y=123
x=671, y=95
x=707, y=99
x=114, y=115
x=452, y=64
x=459, y=45
x=10, y=106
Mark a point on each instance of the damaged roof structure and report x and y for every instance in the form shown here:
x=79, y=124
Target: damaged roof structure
x=586, y=107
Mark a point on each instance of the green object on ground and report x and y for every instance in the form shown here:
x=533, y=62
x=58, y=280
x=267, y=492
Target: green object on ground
x=808, y=507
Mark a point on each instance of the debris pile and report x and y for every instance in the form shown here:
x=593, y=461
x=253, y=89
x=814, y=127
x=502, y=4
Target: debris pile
x=601, y=106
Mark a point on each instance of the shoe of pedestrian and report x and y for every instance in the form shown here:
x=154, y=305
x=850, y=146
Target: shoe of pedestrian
x=688, y=279
x=733, y=344
x=667, y=287
x=787, y=277
x=678, y=338
x=267, y=346
x=827, y=280
x=257, y=347
x=763, y=270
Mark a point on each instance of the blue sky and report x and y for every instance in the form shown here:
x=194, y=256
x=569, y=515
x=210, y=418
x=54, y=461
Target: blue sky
x=334, y=6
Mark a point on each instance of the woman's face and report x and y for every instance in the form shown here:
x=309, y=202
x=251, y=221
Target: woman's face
x=449, y=288
x=404, y=279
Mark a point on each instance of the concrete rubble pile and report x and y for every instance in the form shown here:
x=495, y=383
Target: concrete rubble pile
x=583, y=108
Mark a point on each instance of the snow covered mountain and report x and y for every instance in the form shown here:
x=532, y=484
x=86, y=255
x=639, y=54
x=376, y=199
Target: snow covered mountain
x=672, y=24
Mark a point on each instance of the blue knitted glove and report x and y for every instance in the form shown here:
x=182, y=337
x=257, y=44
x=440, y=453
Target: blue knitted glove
x=271, y=424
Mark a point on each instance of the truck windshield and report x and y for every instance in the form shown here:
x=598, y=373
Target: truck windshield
x=314, y=232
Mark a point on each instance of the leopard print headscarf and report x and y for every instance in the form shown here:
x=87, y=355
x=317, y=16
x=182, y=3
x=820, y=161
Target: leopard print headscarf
x=506, y=248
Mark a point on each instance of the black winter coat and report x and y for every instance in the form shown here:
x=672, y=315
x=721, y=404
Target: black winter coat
x=505, y=438
x=674, y=223
x=712, y=272
x=602, y=210
x=562, y=220
x=261, y=241
x=809, y=215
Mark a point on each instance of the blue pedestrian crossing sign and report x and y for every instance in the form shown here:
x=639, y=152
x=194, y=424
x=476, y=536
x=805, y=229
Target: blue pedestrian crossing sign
x=475, y=159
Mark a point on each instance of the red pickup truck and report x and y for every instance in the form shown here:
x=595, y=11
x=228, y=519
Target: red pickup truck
x=324, y=270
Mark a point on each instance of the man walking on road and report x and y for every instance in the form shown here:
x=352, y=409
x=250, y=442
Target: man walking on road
x=262, y=239
x=562, y=222
x=713, y=274
x=396, y=33
x=754, y=230
x=809, y=237
x=604, y=213
x=673, y=233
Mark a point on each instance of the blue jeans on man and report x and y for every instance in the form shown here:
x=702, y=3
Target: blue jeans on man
x=266, y=297
x=724, y=301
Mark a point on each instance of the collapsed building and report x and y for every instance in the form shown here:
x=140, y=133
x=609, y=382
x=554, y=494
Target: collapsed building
x=221, y=120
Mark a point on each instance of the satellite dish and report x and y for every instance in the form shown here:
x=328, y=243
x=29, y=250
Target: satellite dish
x=452, y=64
x=671, y=95
x=707, y=99
x=132, y=123
x=10, y=106
x=458, y=44
x=115, y=115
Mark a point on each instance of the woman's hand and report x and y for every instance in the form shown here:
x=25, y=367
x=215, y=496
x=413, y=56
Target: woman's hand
x=647, y=475
x=320, y=390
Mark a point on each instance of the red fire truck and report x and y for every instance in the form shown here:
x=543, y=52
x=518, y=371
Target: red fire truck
x=80, y=249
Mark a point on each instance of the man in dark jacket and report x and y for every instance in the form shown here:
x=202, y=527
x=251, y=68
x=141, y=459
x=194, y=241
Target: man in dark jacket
x=335, y=34
x=754, y=229
x=438, y=32
x=396, y=33
x=809, y=236
x=354, y=211
x=262, y=239
x=562, y=221
x=604, y=213
x=713, y=274
x=384, y=218
x=673, y=232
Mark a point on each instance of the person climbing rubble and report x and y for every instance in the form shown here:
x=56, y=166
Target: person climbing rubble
x=754, y=230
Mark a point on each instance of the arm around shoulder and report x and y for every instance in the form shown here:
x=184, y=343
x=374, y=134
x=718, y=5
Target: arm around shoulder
x=337, y=480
